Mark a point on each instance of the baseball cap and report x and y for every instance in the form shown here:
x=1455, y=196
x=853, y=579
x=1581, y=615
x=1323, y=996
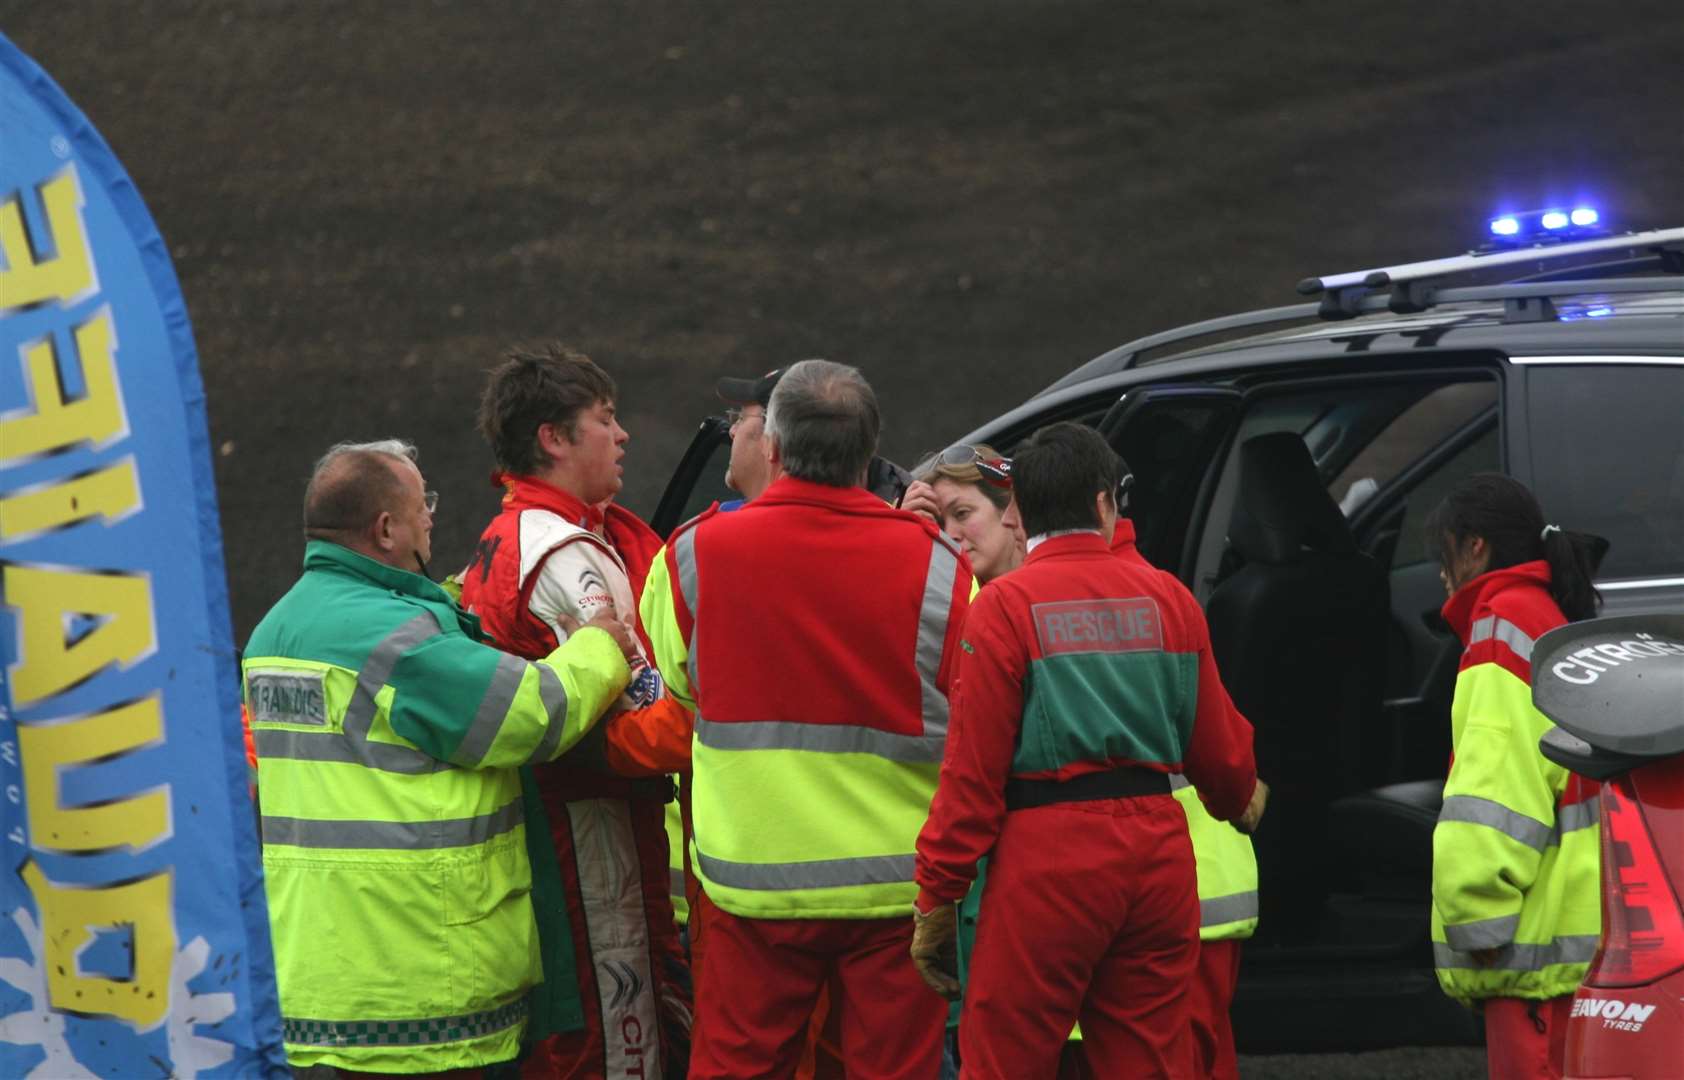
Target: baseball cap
x=750, y=391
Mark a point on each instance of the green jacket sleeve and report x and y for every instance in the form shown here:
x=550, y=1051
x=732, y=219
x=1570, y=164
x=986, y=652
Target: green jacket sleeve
x=480, y=708
x=1499, y=810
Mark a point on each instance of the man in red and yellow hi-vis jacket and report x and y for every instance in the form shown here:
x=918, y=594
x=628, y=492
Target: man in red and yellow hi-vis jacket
x=1084, y=682
x=558, y=553
x=816, y=630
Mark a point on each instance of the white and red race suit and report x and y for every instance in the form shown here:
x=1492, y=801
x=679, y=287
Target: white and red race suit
x=545, y=556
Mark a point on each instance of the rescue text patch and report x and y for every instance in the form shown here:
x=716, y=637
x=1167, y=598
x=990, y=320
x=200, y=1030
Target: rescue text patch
x=1082, y=626
x=286, y=697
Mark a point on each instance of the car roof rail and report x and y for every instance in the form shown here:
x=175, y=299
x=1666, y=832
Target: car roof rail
x=1342, y=294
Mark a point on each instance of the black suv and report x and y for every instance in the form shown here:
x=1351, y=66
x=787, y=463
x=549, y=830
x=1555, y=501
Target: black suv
x=1322, y=595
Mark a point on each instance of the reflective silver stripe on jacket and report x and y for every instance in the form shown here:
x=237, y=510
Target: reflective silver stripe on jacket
x=554, y=696
x=1507, y=632
x=1483, y=934
x=932, y=636
x=925, y=747
x=1228, y=909
x=684, y=557
x=818, y=874
x=1479, y=811
x=1579, y=815
x=819, y=738
x=392, y=835
x=1572, y=949
x=493, y=710
x=351, y=746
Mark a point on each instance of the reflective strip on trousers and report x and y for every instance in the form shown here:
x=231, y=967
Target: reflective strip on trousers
x=391, y=835
x=819, y=874
x=438, y=1029
x=1235, y=907
x=1573, y=949
x=1475, y=810
x=922, y=748
x=1484, y=934
x=352, y=745
x=1518, y=641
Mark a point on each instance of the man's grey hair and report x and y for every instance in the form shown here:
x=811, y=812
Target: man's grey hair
x=824, y=419
x=351, y=485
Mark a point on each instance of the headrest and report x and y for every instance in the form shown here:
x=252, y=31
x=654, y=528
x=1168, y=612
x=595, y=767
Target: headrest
x=1283, y=506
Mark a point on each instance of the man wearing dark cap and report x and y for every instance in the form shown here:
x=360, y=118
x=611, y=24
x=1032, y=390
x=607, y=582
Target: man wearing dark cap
x=750, y=469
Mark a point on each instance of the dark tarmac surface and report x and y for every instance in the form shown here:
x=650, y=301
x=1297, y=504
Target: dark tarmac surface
x=367, y=202
x=1419, y=1063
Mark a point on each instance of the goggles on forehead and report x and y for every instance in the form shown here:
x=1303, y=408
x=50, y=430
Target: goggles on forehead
x=995, y=470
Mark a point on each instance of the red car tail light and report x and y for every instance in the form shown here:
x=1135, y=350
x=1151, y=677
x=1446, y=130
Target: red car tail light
x=1642, y=920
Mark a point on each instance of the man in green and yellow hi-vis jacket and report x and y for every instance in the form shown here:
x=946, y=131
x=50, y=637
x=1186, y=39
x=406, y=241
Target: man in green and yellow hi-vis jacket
x=389, y=741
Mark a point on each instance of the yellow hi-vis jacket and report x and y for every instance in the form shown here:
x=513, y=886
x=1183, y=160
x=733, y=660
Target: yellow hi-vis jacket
x=1516, y=853
x=1227, y=867
x=389, y=740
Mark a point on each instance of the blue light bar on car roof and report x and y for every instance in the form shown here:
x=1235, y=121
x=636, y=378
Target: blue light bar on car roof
x=1551, y=224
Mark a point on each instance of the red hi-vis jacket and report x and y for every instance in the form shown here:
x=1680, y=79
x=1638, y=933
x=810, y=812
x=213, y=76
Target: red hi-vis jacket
x=1078, y=662
x=815, y=630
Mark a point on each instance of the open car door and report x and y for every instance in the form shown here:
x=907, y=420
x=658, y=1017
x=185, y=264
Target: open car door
x=699, y=480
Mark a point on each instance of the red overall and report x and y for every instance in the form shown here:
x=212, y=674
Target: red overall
x=1210, y=998
x=1081, y=663
x=641, y=743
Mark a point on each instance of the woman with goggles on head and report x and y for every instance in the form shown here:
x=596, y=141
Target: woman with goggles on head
x=967, y=490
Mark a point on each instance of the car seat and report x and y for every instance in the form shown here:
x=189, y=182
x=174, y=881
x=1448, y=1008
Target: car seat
x=1299, y=634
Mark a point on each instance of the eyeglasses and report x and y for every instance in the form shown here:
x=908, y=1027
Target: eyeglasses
x=733, y=417
x=996, y=470
x=430, y=499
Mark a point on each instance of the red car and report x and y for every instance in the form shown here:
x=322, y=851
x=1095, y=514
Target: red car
x=1615, y=688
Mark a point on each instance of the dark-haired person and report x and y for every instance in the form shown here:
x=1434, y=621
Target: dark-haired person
x=821, y=712
x=390, y=738
x=559, y=550
x=1516, y=860
x=1084, y=682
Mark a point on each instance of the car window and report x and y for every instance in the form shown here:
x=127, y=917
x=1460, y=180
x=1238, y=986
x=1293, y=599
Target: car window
x=1369, y=432
x=1409, y=437
x=1483, y=454
x=1608, y=458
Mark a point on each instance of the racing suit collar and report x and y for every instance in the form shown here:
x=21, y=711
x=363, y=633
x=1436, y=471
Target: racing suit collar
x=529, y=492
x=1459, y=610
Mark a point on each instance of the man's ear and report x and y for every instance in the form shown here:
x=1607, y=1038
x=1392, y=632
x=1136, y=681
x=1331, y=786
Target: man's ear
x=553, y=440
x=380, y=532
x=774, y=452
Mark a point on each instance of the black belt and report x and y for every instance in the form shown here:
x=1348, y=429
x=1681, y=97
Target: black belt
x=1116, y=784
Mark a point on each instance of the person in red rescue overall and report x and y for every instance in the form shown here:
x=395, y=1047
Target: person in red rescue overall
x=561, y=550
x=1083, y=683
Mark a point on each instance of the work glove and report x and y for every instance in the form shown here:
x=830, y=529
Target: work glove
x=935, y=948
